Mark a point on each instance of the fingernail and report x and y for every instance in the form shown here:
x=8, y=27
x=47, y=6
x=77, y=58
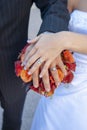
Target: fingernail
x=58, y=84
x=40, y=76
x=28, y=41
x=29, y=73
x=65, y=73
x=48, y=89
x=25, y=68
x=22, y=64
x=36, y=86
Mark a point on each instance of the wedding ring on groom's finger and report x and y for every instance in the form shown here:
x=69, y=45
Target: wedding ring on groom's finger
x=53, y=69
x=39, y=61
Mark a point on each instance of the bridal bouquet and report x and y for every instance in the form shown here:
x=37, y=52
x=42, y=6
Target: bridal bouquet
x=70, y=65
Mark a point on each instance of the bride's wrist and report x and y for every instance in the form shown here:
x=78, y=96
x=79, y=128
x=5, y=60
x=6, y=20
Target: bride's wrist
x=63, y=39
x=66, y=40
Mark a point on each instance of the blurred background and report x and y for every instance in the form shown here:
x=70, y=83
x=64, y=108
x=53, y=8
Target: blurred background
x=32, y=98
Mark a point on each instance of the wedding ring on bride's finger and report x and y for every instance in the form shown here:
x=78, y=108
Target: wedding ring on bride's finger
x=39, y=61
x=53, y=69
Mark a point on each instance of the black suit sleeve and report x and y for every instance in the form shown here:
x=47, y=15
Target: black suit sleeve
x=54, y=14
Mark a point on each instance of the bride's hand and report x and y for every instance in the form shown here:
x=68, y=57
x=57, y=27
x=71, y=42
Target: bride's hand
x=46, y=48
x=53, y=70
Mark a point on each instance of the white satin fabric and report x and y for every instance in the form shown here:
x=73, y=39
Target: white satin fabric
x=67, y=109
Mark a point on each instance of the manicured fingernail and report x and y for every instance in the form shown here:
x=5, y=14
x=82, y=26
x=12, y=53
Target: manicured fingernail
x=25, y=68
x=28, y=41
x=47, y=89
x=65, y=73
x=29, y=73
x=36, y=86
x=40, y=76
x=22, y=64
x=58, y=84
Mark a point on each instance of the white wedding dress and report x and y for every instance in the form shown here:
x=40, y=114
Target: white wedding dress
x=67, y=109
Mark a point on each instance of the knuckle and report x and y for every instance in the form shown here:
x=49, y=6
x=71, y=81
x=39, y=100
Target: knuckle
x=35, y=74
x=28, y=48
x=39, y=52
x=45, y=77
x=35, y=82
x=32, y=60
x=33, y=69
x=36, y=47
x=46, y=66
x=41, y=35
x=43, y=73
x=35, y=85
x=55, y=78
x=46, y=85
x=28, y=63
x=26, y=60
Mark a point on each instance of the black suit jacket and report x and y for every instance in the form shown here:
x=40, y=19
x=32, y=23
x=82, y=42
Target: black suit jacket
x=14, y=17
x=54, y=14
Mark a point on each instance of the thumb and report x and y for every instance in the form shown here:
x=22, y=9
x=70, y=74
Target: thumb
x=33, y=41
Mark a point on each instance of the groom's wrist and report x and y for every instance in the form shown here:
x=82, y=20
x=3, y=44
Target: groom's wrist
x=47, y=32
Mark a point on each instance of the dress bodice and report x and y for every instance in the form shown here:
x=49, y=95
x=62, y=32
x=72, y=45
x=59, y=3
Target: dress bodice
x=67, y=109
x=78, y=23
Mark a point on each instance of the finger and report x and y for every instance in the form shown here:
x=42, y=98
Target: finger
x=29, y=55
x=45, y=68
x=36, y=65
x=35, y=78
x=31, y=52
x=32, y=60
x=62, y=67
x=55, y=75
x=33, y=41
x=46, y=82
x=28, y=49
